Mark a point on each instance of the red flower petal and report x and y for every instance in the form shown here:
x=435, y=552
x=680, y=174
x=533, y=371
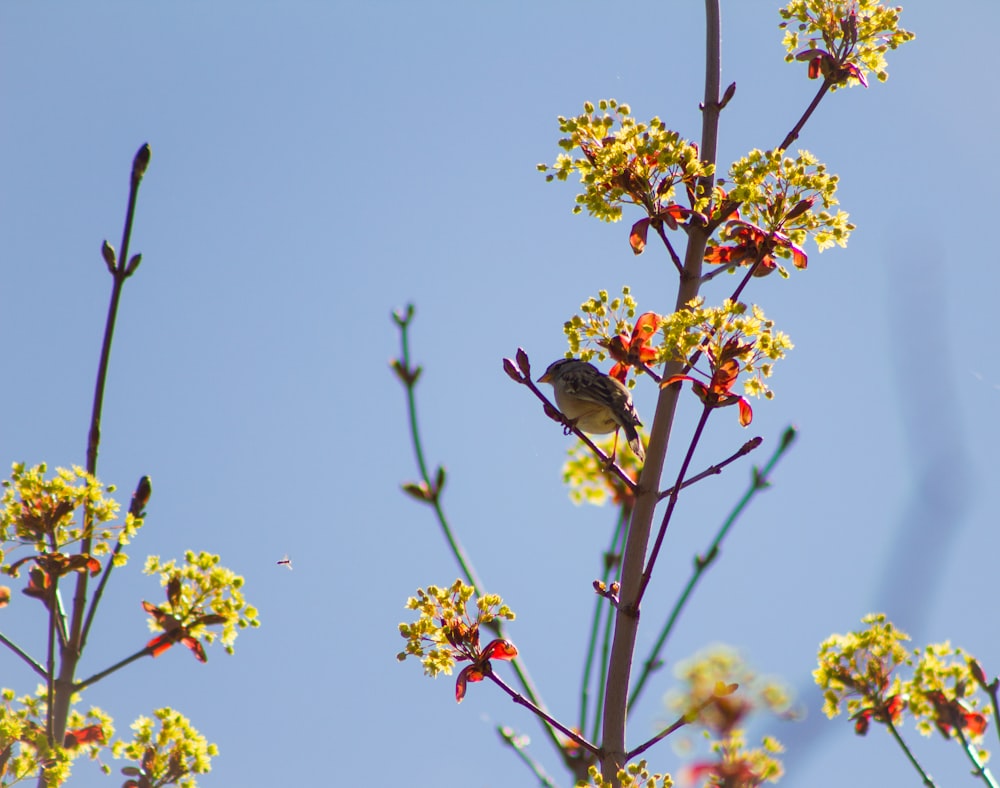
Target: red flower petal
x=637, y=238
x=500, y=649
x=92, y=733
x=746, y=412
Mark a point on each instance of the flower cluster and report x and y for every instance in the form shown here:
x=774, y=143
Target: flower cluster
x=844, y=39
x=777, y=196
x=445, y=633
x=720, y=691
x=627, y=162
x=941, y=693
x=25, y=749
x=857, y=670
x=735, y=765
x=41, y=512
x=600, y=321
x=735, y=339
x=171, y=755
x=200, y=593
x=634, y=775
x=588, y=479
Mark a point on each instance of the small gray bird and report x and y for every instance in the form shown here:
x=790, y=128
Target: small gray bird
x=595, y=402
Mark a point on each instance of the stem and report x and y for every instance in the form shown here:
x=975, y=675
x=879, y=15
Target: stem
x=99, y=592
x=139, y=498
x=680, y=723
x=511, y=740
x=71, y=652
x=23, y=655
x=670, y=249
x=926, y=778
x=794, y=133
x=108, y=671
x=758, y=482
x=552, y=722
x=672, y=503
x=627, y=615
x=977, y=762
x=614, y=549
x=715, y=470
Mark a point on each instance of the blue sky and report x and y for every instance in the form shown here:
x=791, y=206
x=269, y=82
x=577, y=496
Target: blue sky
x=316, y=165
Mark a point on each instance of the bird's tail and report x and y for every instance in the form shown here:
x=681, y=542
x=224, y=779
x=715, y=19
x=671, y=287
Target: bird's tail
x=635, y=442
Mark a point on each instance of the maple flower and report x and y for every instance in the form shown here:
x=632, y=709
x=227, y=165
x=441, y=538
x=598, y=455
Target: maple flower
x=178, y=628
x=754, y=245
x=942, y=693
x=632, y=350
x=725, y=368
x=857, y=668
x=445, y=633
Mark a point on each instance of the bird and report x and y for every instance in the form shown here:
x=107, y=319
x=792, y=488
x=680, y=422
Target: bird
x=594, y=402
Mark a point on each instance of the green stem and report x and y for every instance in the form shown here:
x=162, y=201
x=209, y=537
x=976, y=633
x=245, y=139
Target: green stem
x=977, y=763
x=926, y=778
x=706, y=559
x=23, y=655
x=511, y=740
x=144, y=652
x=612, y=555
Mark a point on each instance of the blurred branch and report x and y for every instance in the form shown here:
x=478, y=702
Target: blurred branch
x=513, y=741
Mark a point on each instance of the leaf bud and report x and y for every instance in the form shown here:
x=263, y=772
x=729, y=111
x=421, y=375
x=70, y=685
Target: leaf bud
x=141, y=162
x=108, y=253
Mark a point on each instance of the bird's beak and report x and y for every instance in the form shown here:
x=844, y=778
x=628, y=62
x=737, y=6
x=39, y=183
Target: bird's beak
x=546, y=378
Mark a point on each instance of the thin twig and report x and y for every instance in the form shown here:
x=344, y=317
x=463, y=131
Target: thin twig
x=568, y=424
x=143, y=652
x=794, y=133
x=715, y=470
x=924, y=776
x=122, y=271
x=23, y=655
x=680, y=723
x=759, y=481
x=139, y=499
x=671, y=503
x=670, y=249
x=518, y=698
